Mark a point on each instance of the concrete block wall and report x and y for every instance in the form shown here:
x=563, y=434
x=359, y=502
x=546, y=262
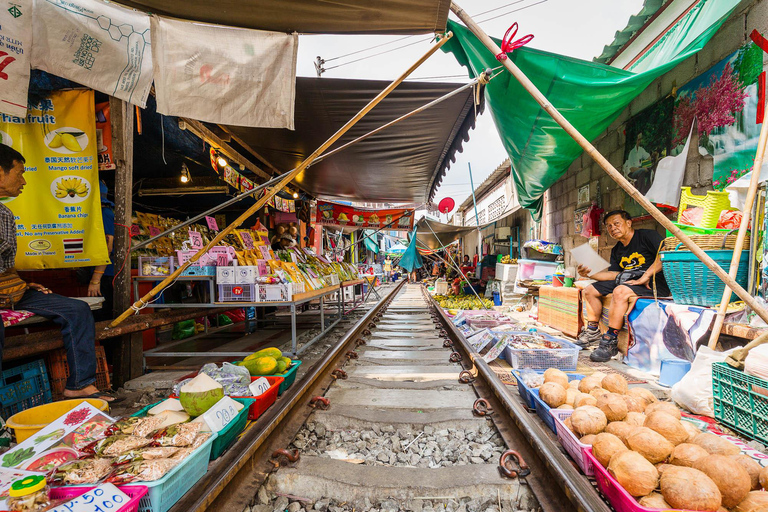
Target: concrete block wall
x=561, y=198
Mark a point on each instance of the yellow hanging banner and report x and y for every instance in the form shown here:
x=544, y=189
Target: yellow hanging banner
x=58, y=214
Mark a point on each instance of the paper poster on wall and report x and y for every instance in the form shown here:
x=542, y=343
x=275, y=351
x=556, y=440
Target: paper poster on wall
x=58, y=214
x=724, y=100
x=15, y=47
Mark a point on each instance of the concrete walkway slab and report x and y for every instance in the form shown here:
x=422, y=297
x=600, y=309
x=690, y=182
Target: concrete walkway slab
x=410, y=355
x=405, y=373
x=348, y=418
x=412, y=344
x=402, y=398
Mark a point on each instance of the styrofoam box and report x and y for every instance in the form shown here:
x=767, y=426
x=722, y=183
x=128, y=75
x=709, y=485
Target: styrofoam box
x=225, y=275
x=506, y=272
x=246, y=274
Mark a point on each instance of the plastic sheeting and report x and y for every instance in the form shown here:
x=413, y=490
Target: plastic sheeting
x=590, y=95
x=411, y=259
x=370, y=241
x=436, y=235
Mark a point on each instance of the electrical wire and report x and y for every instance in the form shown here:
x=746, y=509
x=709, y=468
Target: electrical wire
x=512, y=11
x=380, y=53
x=497, y=8
x=371, y=47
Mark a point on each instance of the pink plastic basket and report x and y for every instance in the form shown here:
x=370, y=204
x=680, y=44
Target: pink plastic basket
x=619, y=499
x=135, y=492
x=575, y=448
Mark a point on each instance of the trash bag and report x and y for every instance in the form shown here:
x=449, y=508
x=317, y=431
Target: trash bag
x=224, y=320
x=183, y=329
x=694, y=390
x=234, y=379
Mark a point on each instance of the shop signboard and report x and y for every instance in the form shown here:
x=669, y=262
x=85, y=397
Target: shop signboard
x=334, y=214
x=58, y=215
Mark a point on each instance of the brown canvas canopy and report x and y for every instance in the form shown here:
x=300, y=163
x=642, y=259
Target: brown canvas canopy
x=309, y=16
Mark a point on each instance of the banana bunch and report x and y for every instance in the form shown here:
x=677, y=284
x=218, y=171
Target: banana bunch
x=71, y=187
x=68, y=140
x=507, y=259
x=462, y=302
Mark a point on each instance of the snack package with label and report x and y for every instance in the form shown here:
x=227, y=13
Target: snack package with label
x=142, y=471
x=83, y=471
x=150, y=453
x=180, y=435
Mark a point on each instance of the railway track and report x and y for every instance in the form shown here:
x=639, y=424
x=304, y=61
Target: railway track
x=384, y=422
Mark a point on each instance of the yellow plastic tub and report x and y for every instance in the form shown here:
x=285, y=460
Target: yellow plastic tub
x=27, y=423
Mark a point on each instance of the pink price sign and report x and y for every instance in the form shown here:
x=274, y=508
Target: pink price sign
x=195, y=240
x=212, y=223
x=247, y=240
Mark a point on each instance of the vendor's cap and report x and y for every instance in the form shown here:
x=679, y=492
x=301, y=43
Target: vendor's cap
x=103, y=190
x=286, y=236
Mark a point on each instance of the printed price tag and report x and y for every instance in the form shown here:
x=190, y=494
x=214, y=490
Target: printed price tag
x=195, y=240
x=221, y=414
x=212, y=223
x=247, y=240
x=104, y=497
x=259, y=386
x=265, y=252
x=135, y=230
x=222, y=260
x=153, y=231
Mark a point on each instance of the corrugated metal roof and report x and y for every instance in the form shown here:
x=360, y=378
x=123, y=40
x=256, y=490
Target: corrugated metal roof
x=635, y=23
x=501, y=171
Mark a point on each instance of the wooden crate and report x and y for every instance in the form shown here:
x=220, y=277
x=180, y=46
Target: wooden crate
x=560, y=308
x=58, y=370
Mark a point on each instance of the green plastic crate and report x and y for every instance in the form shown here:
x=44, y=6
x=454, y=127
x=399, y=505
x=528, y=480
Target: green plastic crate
x=288, y=377
x=740, y=401
x=224, y=437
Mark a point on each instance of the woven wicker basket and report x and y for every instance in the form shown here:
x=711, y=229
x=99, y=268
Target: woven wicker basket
x=706, y=242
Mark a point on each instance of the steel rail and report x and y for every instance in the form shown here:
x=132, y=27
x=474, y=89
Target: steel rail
x=213, y=484
x=575, y=486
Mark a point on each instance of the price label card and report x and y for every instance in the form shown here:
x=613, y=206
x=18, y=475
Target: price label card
x=212, y=223
x=135, y=230
x=195, y=240
x=153, y=231
x=104, y=497
x=259, y=386
x=265, y=252
x=221, y=414
x=247, y=240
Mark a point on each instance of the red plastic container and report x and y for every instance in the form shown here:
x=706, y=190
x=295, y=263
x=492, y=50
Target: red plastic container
x=262, y=402
x=135, y=492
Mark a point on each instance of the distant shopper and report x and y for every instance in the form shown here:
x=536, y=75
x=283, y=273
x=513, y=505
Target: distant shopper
x=72, y=315
x=634, y=267
x=388, y=268
x=466, y=262
x=101, y=280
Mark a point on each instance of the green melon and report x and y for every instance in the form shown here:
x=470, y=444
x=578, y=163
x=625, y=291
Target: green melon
x=261, y=365
x=281, y=366
x=267, y=352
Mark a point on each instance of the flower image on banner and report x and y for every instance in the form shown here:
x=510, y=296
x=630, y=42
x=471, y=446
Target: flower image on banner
x=202, y=71
x=15, y=46
x=97, y=44
x=59, y=212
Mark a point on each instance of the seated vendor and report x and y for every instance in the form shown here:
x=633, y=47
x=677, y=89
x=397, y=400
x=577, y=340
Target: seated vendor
x=72, y=315
x=634, y=262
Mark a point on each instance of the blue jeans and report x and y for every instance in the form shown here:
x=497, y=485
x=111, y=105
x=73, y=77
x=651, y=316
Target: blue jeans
x=77, y=329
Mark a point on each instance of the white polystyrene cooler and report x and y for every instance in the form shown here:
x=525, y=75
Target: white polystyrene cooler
x=506, y=272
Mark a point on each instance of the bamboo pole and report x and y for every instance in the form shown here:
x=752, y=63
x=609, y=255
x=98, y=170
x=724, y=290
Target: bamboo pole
x=606, y=165
x=743, y=228
x=285, y=181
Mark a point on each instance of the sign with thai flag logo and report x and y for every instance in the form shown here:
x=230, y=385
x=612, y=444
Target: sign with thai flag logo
x=73, y=245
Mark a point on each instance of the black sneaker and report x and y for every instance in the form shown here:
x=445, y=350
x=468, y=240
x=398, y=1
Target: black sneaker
x=609, y=347
x=588, y=337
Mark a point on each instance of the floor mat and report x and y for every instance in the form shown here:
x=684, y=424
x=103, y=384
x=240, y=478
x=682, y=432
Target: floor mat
x=503, y=371
x=586, y=366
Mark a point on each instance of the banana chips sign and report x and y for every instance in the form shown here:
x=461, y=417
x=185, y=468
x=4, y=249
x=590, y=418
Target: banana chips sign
x=58, y=215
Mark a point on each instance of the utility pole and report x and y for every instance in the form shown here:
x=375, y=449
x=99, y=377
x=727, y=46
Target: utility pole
x=477, y=217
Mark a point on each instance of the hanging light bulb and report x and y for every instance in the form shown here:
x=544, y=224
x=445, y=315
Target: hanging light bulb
x=221, y=161
x=185, y=177
x=295, y=195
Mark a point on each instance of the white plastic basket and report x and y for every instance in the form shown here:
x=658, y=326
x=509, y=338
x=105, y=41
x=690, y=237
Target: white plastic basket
x=575, y=448
x=237, y=293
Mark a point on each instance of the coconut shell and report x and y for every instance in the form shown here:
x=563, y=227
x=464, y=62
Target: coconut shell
x=567, y=407
x=634, y=473
x=634, y=404
x=653, y=500
x=584, y=399
x=763, y=478
x=570, y=395
x=574, y=384
x=661, y=467
x=599, y=375
x=650, y=444
x=605, y=446
x=588, y=419
x=587, y=384
x=552, y=394
x=589, y=439
x=615, y=383
x=598, y=392
x=667, y=407
x=756, y=501
x=613, y=405
x=569, y=426
x=691, y=429
x=635, y=418
x=689, y=489
x=752, y=467
x=643, y=394
x=732, y=479
x=715, y=444
x=668, y=426
x=556, y=376
x=686, y=454
x=620, y=429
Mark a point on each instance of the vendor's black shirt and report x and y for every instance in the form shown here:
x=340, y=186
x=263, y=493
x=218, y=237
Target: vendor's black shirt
x=639, y=254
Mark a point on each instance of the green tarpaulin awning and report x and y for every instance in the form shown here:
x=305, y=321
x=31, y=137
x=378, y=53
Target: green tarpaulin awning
x=370, y=241
x=590, y=95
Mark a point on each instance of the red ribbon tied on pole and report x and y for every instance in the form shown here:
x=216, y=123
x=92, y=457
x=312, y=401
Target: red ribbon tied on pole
x=507, y=45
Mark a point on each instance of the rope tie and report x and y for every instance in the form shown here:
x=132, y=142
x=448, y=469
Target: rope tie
x=508, y=46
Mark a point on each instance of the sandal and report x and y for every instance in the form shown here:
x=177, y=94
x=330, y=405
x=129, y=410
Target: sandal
x=109, y=397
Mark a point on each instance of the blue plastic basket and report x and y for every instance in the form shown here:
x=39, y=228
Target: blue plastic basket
x=527, y=393
x=564, y=358
x=23, y=387
x=693, y=283
x=200, y=271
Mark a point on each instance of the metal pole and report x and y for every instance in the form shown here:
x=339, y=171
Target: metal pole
x=477, y=217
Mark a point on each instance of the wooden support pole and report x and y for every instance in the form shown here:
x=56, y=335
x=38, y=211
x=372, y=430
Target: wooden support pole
x=606, y=165
x=743, y=228
x=280, y=185
x=122, y=118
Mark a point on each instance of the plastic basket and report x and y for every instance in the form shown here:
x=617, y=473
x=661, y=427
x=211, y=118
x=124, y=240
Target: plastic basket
x=134, y=492
x=59, y=370
x=740, y=401
x=693, y=283
x=564, y=358
x=575, y=448
x=527, y=393
x=289, y=377
x=265, y=400
x=23, y=387
x=237, y=293
x=713, y=203
x=156, y=266
x=209, y=271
